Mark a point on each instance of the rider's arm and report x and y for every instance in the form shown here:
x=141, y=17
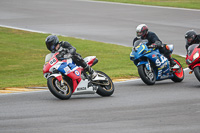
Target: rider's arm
x=155, y=40
x=134, y=40
x=69, y=47
x=158, y=44
x=186, y=46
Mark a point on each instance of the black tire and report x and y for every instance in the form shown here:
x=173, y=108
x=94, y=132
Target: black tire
x=105, y=90
x=57, y=91
x=147, y=77
x=178, y=74
x=197, y=72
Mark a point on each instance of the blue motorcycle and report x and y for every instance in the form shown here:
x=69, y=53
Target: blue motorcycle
x=153, y=66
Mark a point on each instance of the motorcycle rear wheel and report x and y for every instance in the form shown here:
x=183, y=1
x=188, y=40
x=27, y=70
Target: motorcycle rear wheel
x=178, y=74
x=197, y=72
x=148, y=77
x=62, y=92
x=105, y=90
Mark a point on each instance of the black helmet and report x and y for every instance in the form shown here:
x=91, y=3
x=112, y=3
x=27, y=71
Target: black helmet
x=141, y=30
x=190, y=36
x=51, y=42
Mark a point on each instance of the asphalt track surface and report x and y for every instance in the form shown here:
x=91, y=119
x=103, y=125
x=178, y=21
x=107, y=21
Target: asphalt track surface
x=165, y=107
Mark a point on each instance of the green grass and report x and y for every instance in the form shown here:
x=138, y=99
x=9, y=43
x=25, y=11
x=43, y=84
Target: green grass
x=193, y=4
x=23, y=53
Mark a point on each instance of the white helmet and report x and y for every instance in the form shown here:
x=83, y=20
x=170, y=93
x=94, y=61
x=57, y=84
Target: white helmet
x=141, y=30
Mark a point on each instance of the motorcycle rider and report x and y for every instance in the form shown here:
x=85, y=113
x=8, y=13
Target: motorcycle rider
x=191, y=37
x=143, y=33
x=64, y=47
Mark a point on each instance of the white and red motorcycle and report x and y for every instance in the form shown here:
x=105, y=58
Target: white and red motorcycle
x=65, y=78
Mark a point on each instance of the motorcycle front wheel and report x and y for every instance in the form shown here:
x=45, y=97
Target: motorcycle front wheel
x=197, y=72
x=62, y=92
x=148, y=77
x=105, y=90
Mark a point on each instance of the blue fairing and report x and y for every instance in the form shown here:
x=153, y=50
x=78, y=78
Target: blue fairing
x=66, y=66
x=141, y=54
x=145, y=63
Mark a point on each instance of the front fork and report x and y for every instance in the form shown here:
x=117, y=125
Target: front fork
x=148, y=66
x=59, y=77
x=148, y=70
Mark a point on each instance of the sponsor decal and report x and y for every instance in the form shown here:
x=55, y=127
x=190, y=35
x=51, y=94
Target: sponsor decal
x=162, y=58
x=165, y=76
x=67, y=70
x=52, y=61
x=166, y=70
x=81, y=88
x=159, y=73
x=77, y=73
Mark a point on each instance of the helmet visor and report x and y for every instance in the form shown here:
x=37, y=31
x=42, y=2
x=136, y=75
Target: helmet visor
x=139, y=33
x=50, y=46
x=189, y=39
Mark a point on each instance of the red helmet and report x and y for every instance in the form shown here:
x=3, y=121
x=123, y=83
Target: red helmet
x=141, y=30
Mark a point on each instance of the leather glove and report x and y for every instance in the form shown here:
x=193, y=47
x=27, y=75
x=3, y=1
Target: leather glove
x=60, y=56
x=67, y=56
x=153, y=46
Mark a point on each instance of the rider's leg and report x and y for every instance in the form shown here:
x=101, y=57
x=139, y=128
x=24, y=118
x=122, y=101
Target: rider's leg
x=165, y=50
x=79, y=61
x=172, y=62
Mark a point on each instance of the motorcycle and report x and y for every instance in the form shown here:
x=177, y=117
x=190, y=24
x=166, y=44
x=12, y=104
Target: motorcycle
x=153, y=66
x=193, y=59
x=65, y=78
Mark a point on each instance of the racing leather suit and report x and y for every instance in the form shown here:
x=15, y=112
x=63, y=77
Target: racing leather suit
x=66, y=47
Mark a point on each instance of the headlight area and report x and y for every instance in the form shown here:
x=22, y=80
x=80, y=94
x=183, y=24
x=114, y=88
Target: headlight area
x=196, y=55
x=134, y=49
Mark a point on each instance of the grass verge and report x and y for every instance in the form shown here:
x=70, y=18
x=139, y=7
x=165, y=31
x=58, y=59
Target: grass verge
x=22, y=58
x=193, y=4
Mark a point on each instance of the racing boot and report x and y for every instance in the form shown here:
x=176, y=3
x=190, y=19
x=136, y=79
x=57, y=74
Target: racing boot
x=172, y=62
x=91, y=71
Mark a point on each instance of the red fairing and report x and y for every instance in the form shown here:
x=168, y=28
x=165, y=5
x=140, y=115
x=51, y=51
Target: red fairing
x=49, y=64
x=192, y=67
x=91, y=62
x=195, y=62
x=191, y=56
x=59, y=78
x=186, y=58
x=46, y=68
x=76, y=77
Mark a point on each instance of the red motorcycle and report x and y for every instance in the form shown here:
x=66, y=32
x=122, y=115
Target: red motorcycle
x=65, y=78
x=193, y=59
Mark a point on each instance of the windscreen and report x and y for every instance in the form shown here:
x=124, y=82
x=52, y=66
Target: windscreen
x=48, y=57
x=138, y=42
x=191, y=48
